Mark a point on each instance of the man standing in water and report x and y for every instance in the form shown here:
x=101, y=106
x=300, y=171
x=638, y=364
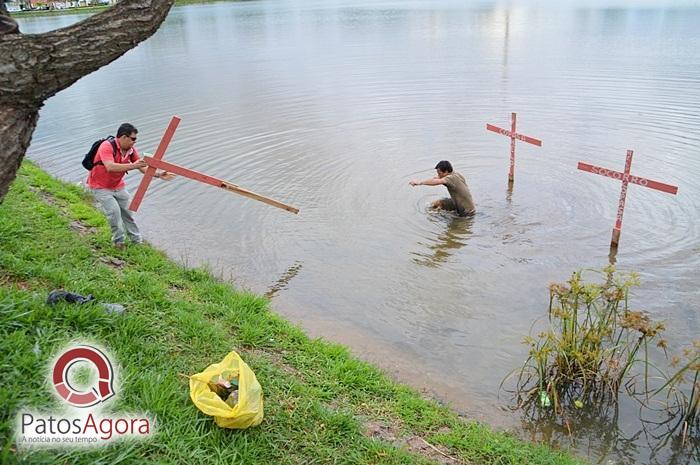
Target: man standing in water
x=113, y=160
x=461, y=199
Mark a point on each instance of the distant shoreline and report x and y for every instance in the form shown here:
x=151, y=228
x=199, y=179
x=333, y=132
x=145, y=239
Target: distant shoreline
x=97, y=9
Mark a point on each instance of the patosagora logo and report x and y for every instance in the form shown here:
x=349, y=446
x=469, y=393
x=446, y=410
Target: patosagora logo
x=76, y=397
x=83, y=377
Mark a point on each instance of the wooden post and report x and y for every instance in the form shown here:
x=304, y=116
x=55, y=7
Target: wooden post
x=511, y=172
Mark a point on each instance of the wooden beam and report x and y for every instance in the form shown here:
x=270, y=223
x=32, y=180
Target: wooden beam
x=151, y=172
x=201, y=177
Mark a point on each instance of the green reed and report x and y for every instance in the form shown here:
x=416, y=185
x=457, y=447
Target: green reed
x=592, y=341
x=686, y=405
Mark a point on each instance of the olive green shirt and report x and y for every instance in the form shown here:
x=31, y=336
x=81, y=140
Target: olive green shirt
x=462, y=198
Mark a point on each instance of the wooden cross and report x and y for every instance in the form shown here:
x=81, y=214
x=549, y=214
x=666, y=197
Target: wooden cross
x=626, y=178
x=156, y=162
x=513, y=135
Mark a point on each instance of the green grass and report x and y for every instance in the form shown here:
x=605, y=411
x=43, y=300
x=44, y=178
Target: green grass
x=318, y=398
x=67, y=11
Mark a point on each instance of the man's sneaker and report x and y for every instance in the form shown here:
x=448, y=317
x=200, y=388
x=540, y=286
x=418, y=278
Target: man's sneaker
x=119, y=245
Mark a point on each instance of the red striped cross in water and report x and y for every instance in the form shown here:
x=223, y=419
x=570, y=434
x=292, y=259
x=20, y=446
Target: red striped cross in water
x=626, y=178
x=156, y=162
x=513, y=135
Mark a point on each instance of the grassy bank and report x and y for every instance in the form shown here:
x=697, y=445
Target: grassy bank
x=97, y=9
x=67, y=11
x=322, y=405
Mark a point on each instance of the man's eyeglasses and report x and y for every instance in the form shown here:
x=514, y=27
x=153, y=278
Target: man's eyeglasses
x=132, y=138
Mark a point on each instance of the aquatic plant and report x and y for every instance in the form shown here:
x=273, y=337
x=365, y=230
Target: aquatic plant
x=685, y=405
x=592, y=341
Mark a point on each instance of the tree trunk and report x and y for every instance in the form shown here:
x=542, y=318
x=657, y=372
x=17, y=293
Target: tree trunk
x=35, y=67
x=16, y=128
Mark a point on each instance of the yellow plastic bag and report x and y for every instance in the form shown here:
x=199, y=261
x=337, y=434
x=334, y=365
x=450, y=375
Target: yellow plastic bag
x=249, y=409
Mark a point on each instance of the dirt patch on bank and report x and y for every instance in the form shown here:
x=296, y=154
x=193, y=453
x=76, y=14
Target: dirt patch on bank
x=13, y=281
x=277, y=358
x=415, y=444
x=76, y=225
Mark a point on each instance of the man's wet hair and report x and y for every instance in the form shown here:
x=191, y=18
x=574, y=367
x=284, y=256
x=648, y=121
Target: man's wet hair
x=444, y=166
x=126, y=129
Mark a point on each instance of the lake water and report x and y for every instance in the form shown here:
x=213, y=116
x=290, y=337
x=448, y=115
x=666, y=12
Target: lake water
x=333, y=106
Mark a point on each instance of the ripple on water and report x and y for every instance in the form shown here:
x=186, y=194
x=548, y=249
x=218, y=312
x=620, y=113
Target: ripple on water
x=334, y=109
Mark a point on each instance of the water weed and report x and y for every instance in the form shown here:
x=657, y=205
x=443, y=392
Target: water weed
x=593, y=347
x=591, y=342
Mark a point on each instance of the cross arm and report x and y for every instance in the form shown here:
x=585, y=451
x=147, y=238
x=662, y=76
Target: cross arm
x=659, y=186
x=496, y=129
x=505, y=132
x=206, y=179
x=151, y=171
x=528, y=139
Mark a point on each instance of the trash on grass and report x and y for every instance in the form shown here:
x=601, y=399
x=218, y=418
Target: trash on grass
x=58, y=295
x=114, y=308
x=230, y=392
x=223, y=384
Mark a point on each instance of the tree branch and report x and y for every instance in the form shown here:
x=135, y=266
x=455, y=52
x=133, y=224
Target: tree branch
x=7, y=24
x=35, y=67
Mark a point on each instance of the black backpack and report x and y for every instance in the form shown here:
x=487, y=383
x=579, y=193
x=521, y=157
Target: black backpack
x=89, y=158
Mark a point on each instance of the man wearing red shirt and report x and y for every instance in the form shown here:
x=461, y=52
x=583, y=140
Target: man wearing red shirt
x=106, y=181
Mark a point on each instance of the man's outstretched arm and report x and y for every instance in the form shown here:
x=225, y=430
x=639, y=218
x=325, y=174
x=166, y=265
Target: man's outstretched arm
x=429, y=182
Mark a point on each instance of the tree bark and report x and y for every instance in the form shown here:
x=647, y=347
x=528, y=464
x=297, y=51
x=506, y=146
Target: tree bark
x=34, y=67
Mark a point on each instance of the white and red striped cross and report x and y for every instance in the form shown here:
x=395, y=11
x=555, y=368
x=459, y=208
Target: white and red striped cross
x=513, y=136
x=626, y=178
x=157, y=162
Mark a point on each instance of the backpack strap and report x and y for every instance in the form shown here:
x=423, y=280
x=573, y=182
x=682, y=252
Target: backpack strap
x=113, y=143
x=114, y=150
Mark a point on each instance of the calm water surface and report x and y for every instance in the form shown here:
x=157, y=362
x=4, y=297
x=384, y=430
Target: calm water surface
x=333, y=106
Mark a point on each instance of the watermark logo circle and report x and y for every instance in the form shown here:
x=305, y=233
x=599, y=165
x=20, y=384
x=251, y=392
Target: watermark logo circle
x=81, y=398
